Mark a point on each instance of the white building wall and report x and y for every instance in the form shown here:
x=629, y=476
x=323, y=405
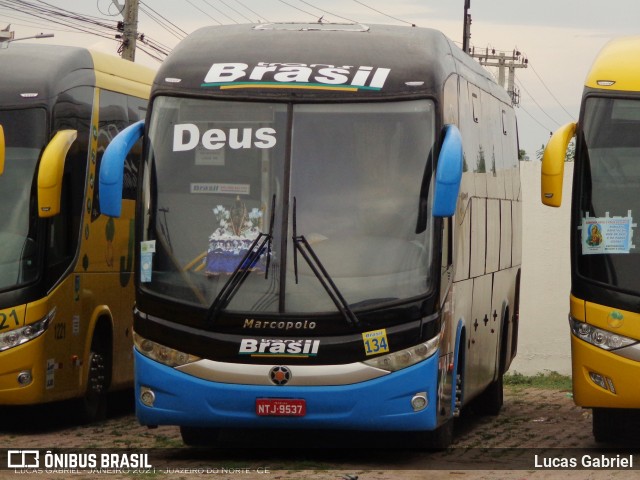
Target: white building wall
x=543, y=339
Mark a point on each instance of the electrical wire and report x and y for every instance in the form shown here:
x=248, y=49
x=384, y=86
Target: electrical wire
x=79, y=23
x=198, y=8
x=299, y=9
x=327, y=12
x=165, y=19
x=550, y=93
x=111, y=4
x=30, y=24
x=260, y=17
x=168, y=29
x=233, y=9
x=519, y=82
x=385, y=14
x=220, y=12
x=536, y=120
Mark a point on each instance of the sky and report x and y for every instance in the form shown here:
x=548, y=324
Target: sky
x=559, y=38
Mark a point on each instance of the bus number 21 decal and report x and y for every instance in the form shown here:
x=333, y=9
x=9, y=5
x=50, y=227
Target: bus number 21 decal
x=4, y=318
x=375, y=342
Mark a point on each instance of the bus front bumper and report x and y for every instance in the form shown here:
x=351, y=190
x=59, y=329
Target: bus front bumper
x=593, y=367
x=380, y=404
x=22, y=374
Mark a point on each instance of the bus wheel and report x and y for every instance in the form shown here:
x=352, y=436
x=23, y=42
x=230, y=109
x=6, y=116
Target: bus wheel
x=93, y=406
x=442, y=437
x=605, y=425
x=200, y=437
x=490, y=401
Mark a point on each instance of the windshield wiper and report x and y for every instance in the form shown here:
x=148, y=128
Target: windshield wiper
x=257, y=248
x=301, y=245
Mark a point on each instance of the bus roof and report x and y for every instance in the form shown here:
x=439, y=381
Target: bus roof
x=47, y=70
x=313, y=61
x=615, y=68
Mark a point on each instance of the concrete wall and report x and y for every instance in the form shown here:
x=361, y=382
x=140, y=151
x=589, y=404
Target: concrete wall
x=543, y=342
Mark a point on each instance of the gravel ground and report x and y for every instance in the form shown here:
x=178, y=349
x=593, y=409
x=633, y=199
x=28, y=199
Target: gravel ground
x=533, y=422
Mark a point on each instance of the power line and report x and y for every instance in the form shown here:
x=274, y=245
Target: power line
x=540, y=107
x=536, y=120
x=77, y=23
x=198, y=8
x=107, y=14
x=385, y=14
x=233, y=9
x=299, y=9
x=550, y=93
x=152, y=16
x=164, y=18
x=260, y=17
x=327, y=12
x=31, y=24
x=220, y=12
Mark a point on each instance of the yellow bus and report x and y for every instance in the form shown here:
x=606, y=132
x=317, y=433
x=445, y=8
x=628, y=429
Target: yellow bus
x=605, y=248
x=66, y=287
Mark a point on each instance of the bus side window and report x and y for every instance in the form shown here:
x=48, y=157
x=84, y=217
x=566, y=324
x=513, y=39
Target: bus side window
x=113, y=119
x=72, y=111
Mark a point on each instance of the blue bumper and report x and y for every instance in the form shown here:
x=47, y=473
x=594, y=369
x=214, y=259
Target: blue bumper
x=380, y=404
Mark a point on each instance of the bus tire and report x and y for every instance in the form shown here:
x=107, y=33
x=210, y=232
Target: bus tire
x=442, y=437
x=605, y=425
x=200, y=437
x=93, y=405
x=491, y=400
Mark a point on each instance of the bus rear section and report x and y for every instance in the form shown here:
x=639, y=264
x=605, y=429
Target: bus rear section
x=298, y=239
x=604, y=316
x=66, y=271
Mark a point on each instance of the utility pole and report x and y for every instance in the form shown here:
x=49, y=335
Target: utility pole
x=129, y=28
x=503, y=61
x=466, y=29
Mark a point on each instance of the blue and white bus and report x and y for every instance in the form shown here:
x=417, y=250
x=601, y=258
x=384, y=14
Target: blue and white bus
x=329, y=229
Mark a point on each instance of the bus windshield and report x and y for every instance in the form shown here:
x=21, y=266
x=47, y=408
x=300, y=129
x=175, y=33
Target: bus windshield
x=25, y=137
x=346, y=178
x=609, y=250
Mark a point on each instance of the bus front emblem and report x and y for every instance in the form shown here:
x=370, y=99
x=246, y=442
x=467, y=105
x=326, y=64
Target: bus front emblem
x=280, y=375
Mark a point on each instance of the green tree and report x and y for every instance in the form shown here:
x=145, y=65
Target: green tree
x=522, y=155
x=569, y=155
x=482, y=167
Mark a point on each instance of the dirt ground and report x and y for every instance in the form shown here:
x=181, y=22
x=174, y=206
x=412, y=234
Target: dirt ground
x=534, y=425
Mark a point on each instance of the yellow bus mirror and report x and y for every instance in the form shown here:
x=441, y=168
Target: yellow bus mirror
x=2, y=150
x=552, y=171
x=50, y=173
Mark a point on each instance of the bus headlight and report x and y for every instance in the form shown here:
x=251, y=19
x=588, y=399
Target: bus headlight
x=598, y=337
x=160, y=353
x=21, y=335
x=405, y=358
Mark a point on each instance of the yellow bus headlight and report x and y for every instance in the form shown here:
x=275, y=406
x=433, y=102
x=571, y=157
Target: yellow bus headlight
x=598, y=337
x=21, y=335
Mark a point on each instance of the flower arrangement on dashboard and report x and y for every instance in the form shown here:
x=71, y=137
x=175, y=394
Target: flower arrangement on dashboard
x=235, y=230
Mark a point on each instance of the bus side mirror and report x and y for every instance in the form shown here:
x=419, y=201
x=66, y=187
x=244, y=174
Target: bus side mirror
x=552, y=170
x=2, y=150
x=51, y=171
x=448, y=174
x=112, y=167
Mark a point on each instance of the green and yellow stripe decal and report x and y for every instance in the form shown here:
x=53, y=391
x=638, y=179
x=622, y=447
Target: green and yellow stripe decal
x=288, y=86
